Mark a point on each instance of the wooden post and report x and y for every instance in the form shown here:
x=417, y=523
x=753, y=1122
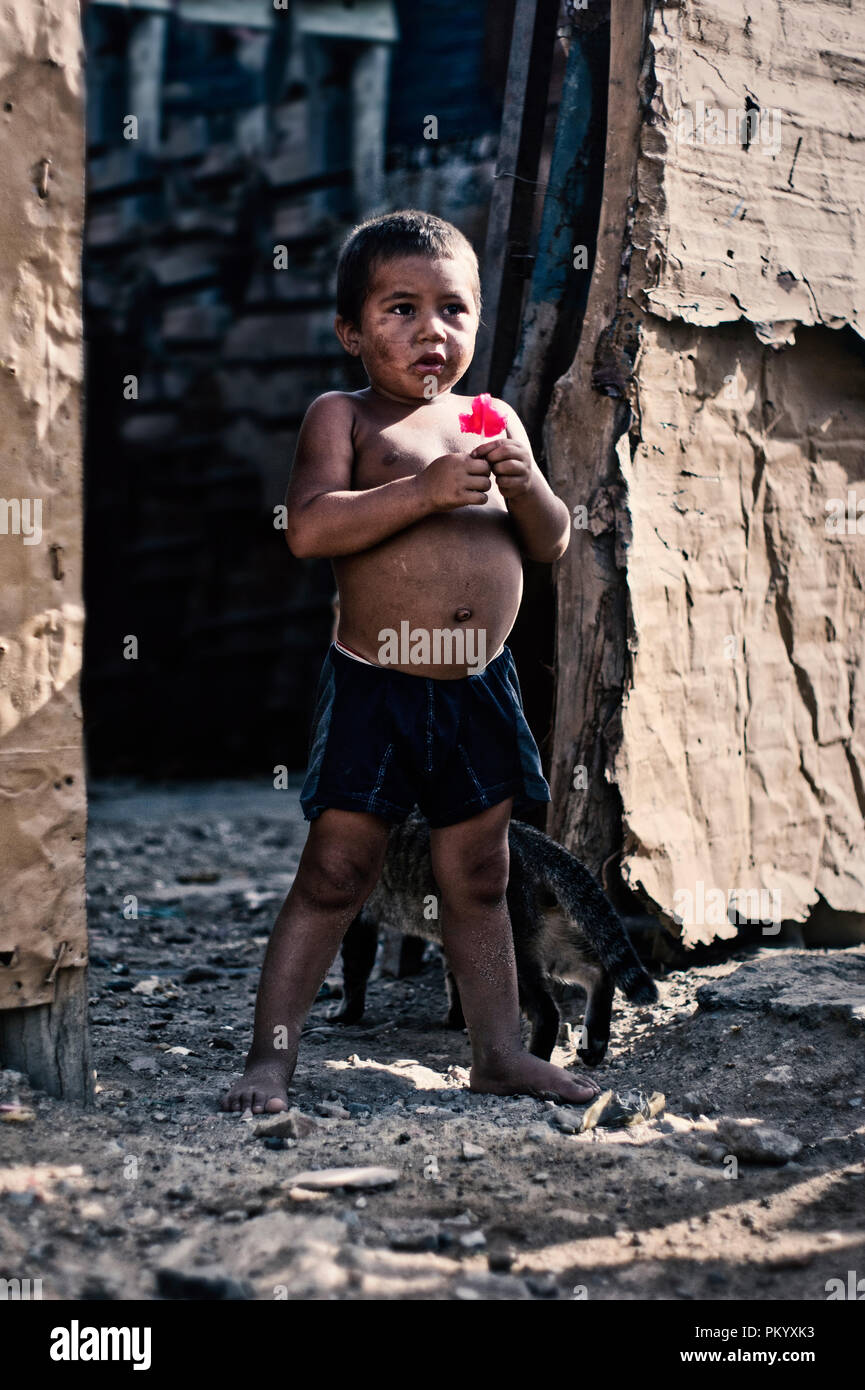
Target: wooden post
x=506, y=264
x=43, y=930
x=50, y=1043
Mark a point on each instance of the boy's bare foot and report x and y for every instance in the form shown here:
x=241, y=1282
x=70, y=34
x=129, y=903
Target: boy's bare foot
x=522, y=1074
x=263, y=1088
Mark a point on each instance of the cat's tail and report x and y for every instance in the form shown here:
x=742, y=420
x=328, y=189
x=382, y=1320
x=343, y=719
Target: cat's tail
x=587, y=905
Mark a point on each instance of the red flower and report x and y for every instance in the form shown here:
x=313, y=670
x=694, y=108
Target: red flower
x=483, y=418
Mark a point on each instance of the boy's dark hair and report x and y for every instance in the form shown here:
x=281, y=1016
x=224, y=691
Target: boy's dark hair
x=405, y=233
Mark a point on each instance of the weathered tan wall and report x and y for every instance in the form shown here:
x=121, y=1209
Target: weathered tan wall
x=708, y=613
x=42, y=793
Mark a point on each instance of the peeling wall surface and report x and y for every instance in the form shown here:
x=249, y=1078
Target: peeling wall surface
x=42, y=793
x=731, y=302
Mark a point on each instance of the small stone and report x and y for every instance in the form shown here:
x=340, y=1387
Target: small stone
x=332, y=1110
x=542, y=1286
x=143, y=1064
x=473, y=1240
x=568, y=1121
x=571, y=1216
x=540, y=1134
x=288, y=1124
x=777, y=1076
x=753, y=1142
x=325, y=1179
x=421, y=1235
x=694, y=1104
x=472, y=1151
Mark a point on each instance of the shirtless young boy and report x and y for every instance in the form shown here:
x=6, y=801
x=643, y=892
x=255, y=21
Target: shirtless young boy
x=426, y=530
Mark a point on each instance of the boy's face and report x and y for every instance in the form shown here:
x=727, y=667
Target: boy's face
x=419, y=322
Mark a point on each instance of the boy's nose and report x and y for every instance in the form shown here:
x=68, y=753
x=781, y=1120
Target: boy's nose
x=433, y=328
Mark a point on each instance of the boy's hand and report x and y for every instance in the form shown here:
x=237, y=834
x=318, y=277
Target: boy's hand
x=455, y=480
x=511, y=462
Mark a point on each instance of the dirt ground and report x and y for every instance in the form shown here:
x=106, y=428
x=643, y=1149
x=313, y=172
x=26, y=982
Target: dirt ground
x=153, y=1193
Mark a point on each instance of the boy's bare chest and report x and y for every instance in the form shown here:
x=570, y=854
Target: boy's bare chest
x=402, y=451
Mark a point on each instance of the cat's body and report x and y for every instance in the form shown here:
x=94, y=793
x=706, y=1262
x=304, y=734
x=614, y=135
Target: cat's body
x=564, y=930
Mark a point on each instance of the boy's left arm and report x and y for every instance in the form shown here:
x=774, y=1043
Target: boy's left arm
x=542, y=519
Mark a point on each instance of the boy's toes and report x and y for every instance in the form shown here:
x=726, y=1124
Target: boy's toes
x=581, y=1090
x=268, y=1103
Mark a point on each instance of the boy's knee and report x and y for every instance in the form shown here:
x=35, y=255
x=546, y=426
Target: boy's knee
x=337, y=877
x=479, y=873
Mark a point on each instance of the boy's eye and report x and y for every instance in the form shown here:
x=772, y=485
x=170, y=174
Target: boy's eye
x=456, y=308
x=398, y=308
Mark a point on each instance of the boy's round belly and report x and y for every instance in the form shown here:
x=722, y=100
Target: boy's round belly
x=437, y=600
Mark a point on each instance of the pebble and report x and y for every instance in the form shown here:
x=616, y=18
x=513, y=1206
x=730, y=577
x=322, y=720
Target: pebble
x=332, y=1110
x=542, y=1286
x=473, y=1240
x=288, y=1124
x=777, y=1076
x=324, y=1179
x=420, y=1235
x=472, y=1151
x=753, y=1142
x=541, y=1134
x=693, y=1103
x=568, y=1121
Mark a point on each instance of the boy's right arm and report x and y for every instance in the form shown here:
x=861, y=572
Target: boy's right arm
x=325, y=518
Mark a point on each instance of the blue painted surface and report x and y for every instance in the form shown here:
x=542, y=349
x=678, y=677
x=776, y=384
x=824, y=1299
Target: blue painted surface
x=438, y=69
x=567, y=184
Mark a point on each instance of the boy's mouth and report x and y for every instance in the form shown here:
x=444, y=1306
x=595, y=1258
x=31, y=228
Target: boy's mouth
x=431, y=362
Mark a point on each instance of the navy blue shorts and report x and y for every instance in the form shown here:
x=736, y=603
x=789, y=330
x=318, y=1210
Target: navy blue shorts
x=384, y=741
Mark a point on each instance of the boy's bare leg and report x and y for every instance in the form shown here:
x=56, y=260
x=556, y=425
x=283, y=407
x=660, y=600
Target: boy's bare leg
x=338, y=870
x=470, y=862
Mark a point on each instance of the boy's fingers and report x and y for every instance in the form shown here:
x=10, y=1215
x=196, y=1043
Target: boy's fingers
x=482, y=450
x=479, y=483
x=478, y=468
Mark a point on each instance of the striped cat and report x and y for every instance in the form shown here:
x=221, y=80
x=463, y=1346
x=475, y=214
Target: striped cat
x=565, y=930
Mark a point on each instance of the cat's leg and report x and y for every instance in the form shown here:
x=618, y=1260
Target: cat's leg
x=596, y=1024
x=536, y=999
x=358, y=957
x=538, y=1004
x=411, y=954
